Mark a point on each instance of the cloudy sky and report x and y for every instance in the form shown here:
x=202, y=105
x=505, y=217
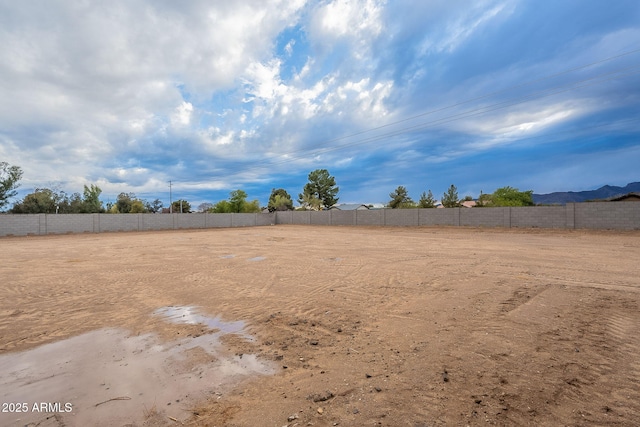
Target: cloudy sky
x=214, y=96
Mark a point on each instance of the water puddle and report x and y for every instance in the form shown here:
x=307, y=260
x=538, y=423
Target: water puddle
x=107, y=377
x=228, y=256
x=189, y=315
x=257, y=258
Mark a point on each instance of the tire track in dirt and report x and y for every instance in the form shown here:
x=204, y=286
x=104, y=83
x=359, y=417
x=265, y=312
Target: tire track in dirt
x=625, y=334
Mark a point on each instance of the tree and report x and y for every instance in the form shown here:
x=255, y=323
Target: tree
x=181, y=206
x=427, y=200
x=280, y=200
x=400, y=199
x=321, y=186
x=137, y=206
x=237, y=200
x=222, y=206
x=509, y=196
x=90, y=201
x=9, y=177
x=70, y=205
x=124, y=202
x=237, y=203
x=205, y=207
x=450, y=198
x=155, y=206
x=310, y=201
x=42, y=200
x=484, y=200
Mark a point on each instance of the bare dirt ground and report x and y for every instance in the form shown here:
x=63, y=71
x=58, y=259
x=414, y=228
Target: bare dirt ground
x=365, y=326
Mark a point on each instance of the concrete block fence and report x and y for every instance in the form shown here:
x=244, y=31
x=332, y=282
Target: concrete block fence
x=605, y=215
x=41, y=224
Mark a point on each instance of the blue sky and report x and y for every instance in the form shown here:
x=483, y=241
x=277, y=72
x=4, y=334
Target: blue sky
x=215, y=96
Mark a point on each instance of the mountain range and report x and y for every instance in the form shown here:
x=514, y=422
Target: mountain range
x=605, y=192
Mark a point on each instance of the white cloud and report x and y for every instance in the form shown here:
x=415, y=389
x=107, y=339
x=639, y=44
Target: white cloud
x=182, y=114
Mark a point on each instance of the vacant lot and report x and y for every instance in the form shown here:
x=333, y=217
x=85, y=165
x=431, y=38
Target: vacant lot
x=366, y=326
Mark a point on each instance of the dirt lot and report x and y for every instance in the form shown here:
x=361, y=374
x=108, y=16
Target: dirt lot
x=365, y=326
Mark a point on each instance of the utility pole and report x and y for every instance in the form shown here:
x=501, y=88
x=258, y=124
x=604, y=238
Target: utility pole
x=170, y=199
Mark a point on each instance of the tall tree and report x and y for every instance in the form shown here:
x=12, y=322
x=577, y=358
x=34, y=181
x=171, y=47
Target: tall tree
x=321, y=186
x=400, y=199
x=427, y=200
x=450, y=198
x=9, y=177
x=91, y=199
x=280, y=200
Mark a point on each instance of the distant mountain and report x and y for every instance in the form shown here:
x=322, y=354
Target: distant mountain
x=561, y=198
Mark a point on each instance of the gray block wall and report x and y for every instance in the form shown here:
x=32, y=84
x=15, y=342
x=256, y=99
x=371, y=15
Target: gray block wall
x=19, y=225
x=119, y=222
x=342, y=217
x=266, y=218
x=285, y=217
x=319, y=218
x=157, y=222
x=372, y=218
x=402, y=217
x=243, y=219
x=301, y=218
x=484, y=217
x=599, y=215
x=437, y=217
x=539, y=216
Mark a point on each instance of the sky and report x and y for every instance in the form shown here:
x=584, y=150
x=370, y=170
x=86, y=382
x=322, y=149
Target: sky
x=215, y=96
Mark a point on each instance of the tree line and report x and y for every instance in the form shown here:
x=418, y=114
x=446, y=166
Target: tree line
x=320, y=192
x=504, y=196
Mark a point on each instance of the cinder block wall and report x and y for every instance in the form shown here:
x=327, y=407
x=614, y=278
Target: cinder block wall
x=608, y=215
x=539, y=216
x=599, y=215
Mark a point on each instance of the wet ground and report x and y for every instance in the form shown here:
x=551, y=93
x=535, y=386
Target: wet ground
x=108, y=377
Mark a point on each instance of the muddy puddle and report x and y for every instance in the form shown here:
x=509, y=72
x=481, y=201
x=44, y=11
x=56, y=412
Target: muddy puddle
x=107, y=377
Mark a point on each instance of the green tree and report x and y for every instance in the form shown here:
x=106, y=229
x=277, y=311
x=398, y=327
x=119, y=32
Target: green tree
x=186, y=206
x=9, y=177
x=124, y=202
x=321, y=186
x=237, y=200
x=400, y=199
x=155, y=206
x=42, y=200
x=509, y=196
x=484, y=200
x=280, y=200
x=450, y=198
x=70, y=205
x=427, y=200
x=91, y=199
x=310, y=201
x=237, y=203
x=137, y=206
x=222, y=206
